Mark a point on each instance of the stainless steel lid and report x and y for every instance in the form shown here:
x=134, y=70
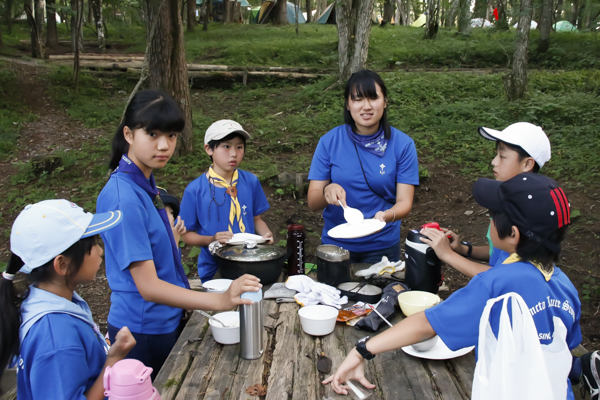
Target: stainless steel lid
x=260, y=252
x=331, y=252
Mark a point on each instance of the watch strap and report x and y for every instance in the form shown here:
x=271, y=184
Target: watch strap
x=361, y=347
x=469, y=248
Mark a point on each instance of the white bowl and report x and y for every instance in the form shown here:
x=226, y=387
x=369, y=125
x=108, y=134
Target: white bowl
x=217, y=285
x=426, y=344
x=413, y=301
x=229, y=335
x=318, y=320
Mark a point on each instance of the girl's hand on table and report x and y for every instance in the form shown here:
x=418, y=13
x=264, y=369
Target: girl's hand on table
x=438, y=241
x=243, y=284
x=353, y=367
x=223, y=237
x=334, y=192
x=124, y=342
x=269, y=237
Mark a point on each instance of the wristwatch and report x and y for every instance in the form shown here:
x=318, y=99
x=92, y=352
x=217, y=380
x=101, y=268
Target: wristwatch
x=469, y=250
x=361, y=347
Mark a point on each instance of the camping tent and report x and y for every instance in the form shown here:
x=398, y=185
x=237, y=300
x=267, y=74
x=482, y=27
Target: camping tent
x=533, y=25
x=422, y=20
x=244, y=3
x=328, y=16
x=564, y=26
x=477, y=23
x=267, y=7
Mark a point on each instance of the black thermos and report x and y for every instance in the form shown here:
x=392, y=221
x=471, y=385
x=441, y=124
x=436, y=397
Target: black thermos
x=423, y=267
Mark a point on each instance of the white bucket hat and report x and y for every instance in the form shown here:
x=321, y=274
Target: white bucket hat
x=46, y=229
x=529, y=137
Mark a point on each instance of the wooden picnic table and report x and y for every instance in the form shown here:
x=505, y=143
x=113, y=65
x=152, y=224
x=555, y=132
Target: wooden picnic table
x=200, y=368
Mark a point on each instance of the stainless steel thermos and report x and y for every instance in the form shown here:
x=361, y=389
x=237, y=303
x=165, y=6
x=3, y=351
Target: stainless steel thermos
x=251, y=326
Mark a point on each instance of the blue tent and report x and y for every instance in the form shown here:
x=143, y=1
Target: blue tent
x=328, y=16
x=267, y=7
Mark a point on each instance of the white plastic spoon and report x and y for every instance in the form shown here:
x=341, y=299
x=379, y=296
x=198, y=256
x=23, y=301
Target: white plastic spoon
x=211, y=317
x=352, y=215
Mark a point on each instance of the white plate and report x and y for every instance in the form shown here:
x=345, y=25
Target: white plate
x=240, y=238
x=438, y=352
x=353, y=231
x=217, y=285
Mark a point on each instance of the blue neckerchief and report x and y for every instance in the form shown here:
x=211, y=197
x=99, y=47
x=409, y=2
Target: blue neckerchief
x=129, y=167
x=375, y=143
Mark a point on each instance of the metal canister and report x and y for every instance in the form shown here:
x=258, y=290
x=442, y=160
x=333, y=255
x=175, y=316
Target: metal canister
x=333, y=264
x=251, y=326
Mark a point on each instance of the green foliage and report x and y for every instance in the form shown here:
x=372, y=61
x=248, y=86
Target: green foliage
x=590, y=290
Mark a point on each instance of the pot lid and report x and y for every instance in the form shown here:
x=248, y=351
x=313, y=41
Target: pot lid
x=261, y=252
x=331, y=252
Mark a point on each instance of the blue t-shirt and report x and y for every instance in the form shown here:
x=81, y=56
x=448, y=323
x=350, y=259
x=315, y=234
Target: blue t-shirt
x=141, y=236
x=205, y=210
x=60, y=358
x=336, y=160
x=557, y=297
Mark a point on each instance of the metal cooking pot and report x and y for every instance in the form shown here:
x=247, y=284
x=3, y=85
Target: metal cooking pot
x=262, y=261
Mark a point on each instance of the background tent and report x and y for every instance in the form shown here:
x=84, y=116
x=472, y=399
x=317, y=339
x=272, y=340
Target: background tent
x=564, y=26
x=266, y=8
x=328, y=16
x=422, y=20
x=480, y=23
x=533, y=25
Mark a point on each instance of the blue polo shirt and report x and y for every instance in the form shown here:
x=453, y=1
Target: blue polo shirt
x=60, y=358
x=205, y=210
x=545, y=299
x=141, y=236
x=336, y=160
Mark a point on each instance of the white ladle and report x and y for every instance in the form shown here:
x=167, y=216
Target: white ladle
x=352, y=215
x=211, y=317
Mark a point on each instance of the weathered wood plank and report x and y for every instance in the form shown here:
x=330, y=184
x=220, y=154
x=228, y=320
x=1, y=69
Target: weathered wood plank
x=447, y=387
x=171, y=375
x=335, y=347
x=307, y=381
x=463, y=370
x=281, y=374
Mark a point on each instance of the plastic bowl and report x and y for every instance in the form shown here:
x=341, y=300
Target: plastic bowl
x=229, y=335
x=413, y=301
x=318, y=320
x=426, y=344
x=217, y=285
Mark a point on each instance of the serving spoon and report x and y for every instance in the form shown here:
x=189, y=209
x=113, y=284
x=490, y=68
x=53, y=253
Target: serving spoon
x=212, y=317
x=352, y=215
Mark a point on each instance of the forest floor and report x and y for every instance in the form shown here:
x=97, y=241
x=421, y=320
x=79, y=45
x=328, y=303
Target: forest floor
x=444, y=196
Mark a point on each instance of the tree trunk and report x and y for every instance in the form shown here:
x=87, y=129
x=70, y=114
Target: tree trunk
x=1, y=42
x=574, y=12
x=432, y=27
x=79, y=28
x=308, y=12
x=51, y=31
x=388, y=11
x=167, y=65
x=464, y=18
x=280, y=16
x=502, y=23
x=321, y=6
x=8, y=15
x=226, y=10
x=354, y=28
x=451, y=16
x=558, y=13
x=40, y=12
x=37, y=50
x=191, y=15
x=545, y=26
x=205, y=14
x=397, y=14
x=480, y=9
x=96, y=6
x=515, y=82
x=76, y=33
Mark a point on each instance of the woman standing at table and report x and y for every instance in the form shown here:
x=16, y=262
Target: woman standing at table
x=365, y=164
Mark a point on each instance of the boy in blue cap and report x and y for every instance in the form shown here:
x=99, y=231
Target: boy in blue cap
x=530, y=215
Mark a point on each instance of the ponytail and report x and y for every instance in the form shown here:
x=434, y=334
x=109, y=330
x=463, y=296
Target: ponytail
x=10, y=300
x=10, y=303
x=151, y=110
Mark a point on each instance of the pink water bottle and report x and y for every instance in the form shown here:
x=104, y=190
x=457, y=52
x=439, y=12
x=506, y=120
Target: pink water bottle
x=129, y=379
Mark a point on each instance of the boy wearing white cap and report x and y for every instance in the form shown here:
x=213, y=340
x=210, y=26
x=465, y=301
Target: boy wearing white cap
x=60, y=353
x=521, y=147
x=224, y=200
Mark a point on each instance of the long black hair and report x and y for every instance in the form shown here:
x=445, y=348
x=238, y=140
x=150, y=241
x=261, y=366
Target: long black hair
x=529, y=249
x=10, y=299
x=363, y=84
x=150, y=110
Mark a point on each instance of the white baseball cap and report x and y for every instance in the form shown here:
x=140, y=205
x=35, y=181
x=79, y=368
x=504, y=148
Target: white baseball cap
x=222, y=128
x=46, y=229
x=529, y=137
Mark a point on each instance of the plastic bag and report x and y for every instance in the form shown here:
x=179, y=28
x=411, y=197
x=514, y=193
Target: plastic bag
x=516, y=365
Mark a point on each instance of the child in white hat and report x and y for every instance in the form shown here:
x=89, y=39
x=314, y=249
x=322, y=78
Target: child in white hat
x=49, y=331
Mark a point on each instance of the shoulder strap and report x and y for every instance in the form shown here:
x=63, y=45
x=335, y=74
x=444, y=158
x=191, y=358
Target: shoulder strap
x=366, y=180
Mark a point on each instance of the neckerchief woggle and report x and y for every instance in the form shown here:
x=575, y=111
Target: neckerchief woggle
x=375, y=143
x=234, y=210
x=149, y=186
